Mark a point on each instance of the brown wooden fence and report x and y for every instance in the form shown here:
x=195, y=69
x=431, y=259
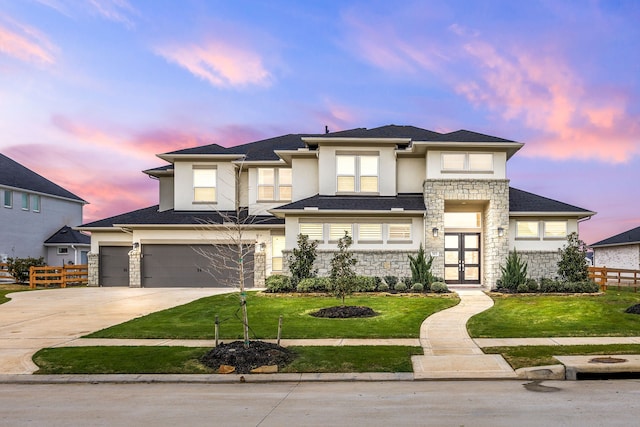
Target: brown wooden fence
x=61, y=276
x=618, y=277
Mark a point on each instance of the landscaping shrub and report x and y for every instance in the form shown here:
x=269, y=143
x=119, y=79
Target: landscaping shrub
x=400, y=287
x=391, y=281
x=383, y=287
x=19, y=267
x=522, y=288
x=407, y=281
x=278, y=283
x=549, y=285
x=301, y=262
x=365, y=284
x=421, y=267
x=313, y=284
x=417, y=287
x=532, y=285
x=514, y=272
x=439, y=287
x=572, y=266
x=557, y=286
x=342, y=281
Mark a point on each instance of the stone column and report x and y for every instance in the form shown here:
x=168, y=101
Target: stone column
x=259, y=269
x=93, y=261
x=135, y=273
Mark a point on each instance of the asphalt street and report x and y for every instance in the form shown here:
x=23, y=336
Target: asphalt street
x=406, y=403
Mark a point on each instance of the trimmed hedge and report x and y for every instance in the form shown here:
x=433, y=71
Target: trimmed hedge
x=278, y=283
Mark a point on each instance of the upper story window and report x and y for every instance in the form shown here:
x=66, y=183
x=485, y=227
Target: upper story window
x=25, y=202
x=204, y=184
x=314, y=231
x=8, y=199
x=467, y=162
x=35, y=203
x=357, y=173
x=63, y=250
x=274, y=184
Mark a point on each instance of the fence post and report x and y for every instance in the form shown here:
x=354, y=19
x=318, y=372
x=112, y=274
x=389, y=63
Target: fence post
x=32, y=278
x=216, y=330
x=279, y=328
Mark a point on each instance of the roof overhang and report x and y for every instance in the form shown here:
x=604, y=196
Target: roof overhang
x=130, y=227
x=615, y=244
x=511, y=148
x=322, y=140
x=555, y=214
x=172, y=158
x=287, y=155
x=281, y=213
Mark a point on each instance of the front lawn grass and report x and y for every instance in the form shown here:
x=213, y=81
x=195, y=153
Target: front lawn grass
x=540, y=355
x=399, y=317
x=581, y=315
x=10, y=288
x=184, y=360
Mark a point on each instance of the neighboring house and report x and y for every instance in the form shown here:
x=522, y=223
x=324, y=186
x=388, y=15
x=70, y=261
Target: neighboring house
x=33, y=208
x=67, y=246
x=391, y=188
x=619, y=251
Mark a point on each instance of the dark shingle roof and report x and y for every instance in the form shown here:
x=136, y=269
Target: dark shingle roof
x=624, y=238
x=412, y=202
x=151, y=216
x=13, y=174
x=264, y=149
x=67, y=235
x=523, y=201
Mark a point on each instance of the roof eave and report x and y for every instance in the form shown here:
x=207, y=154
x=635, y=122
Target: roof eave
x=316, y=140
x=552, y=213
x=172, y=158
x=511, y=147
x=280, y=213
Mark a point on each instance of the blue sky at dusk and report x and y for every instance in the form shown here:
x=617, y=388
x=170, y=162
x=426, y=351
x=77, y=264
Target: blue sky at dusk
x=91, y=90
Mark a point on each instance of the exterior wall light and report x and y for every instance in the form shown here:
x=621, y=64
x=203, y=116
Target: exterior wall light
x=500, y=231
x=136, y=245
x=434, y=230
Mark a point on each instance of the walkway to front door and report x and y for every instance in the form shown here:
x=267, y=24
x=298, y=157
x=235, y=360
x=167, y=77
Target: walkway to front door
x=462, y=258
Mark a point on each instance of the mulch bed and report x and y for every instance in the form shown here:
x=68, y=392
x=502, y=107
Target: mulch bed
x=258, y=354
x=634, y=309
x=345, y=312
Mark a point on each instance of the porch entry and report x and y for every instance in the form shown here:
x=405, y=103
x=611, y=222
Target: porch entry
x=462, y=258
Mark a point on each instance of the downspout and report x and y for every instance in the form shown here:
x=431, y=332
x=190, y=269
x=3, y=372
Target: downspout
x=75, y=254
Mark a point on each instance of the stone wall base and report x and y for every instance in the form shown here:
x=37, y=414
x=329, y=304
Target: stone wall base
x=93, y=261
x=370, y=262
x=541, y=263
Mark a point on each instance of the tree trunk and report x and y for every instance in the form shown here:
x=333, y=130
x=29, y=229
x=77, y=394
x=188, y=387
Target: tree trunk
x=243, y=297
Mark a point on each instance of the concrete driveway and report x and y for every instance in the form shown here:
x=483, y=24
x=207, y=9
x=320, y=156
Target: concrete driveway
x=38, y=319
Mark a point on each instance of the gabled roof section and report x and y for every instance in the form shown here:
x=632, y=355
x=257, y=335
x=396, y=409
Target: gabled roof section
x=151, y=216
x=401, y=202
x=628, y=237
x=68, y=236
x=13, y=174
x=524, y=202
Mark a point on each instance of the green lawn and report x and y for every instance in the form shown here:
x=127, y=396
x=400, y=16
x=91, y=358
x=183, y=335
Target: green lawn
x=399, y=317
x=184, y=360
x=9, y=288
x=515, y=316
x=525, y=356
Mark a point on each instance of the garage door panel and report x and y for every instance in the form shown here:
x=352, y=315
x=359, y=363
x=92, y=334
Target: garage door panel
x=113, y=265
x=186, y=266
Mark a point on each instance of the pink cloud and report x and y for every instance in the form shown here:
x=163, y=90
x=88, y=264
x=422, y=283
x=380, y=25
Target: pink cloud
x=114, y=10
x=548, y=96
x=25, y=43
x=220, y=63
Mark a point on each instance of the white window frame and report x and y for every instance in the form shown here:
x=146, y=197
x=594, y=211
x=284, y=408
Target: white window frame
x=214, y=186
x=276, y=186
x=357, y=172
x=309, y=233
x=36, y=203
x=467, y=164
x=7, y=199
x=370, y=237
x=407, y=236
x=62, y=250
x=342, y=227
x=26, y=201
x=528, y=237
x=555, y=237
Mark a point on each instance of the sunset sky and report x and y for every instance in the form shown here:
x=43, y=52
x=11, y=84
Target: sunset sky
x=91, y=90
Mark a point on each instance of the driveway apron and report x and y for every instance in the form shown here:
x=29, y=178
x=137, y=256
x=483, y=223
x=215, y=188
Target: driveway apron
x=48, y=318
x=449, y=351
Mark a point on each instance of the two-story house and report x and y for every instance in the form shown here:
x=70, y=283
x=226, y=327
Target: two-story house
x=35, y=215
x=391, y=188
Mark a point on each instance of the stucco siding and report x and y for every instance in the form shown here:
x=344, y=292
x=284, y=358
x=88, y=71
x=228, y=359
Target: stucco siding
x=411, y=174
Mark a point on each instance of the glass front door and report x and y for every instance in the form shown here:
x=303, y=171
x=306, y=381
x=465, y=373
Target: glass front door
x=462, y=258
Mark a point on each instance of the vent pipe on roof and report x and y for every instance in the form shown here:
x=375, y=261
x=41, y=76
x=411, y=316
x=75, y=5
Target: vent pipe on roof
x=326, y=129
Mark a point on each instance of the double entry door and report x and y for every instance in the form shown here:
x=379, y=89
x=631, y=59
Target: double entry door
x=462, y=258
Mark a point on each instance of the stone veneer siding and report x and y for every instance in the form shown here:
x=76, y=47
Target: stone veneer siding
x=135, y=270
x=93, y=261
x=259, y=269
x=541, y=263
x=370, y=262
x=495, y=194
